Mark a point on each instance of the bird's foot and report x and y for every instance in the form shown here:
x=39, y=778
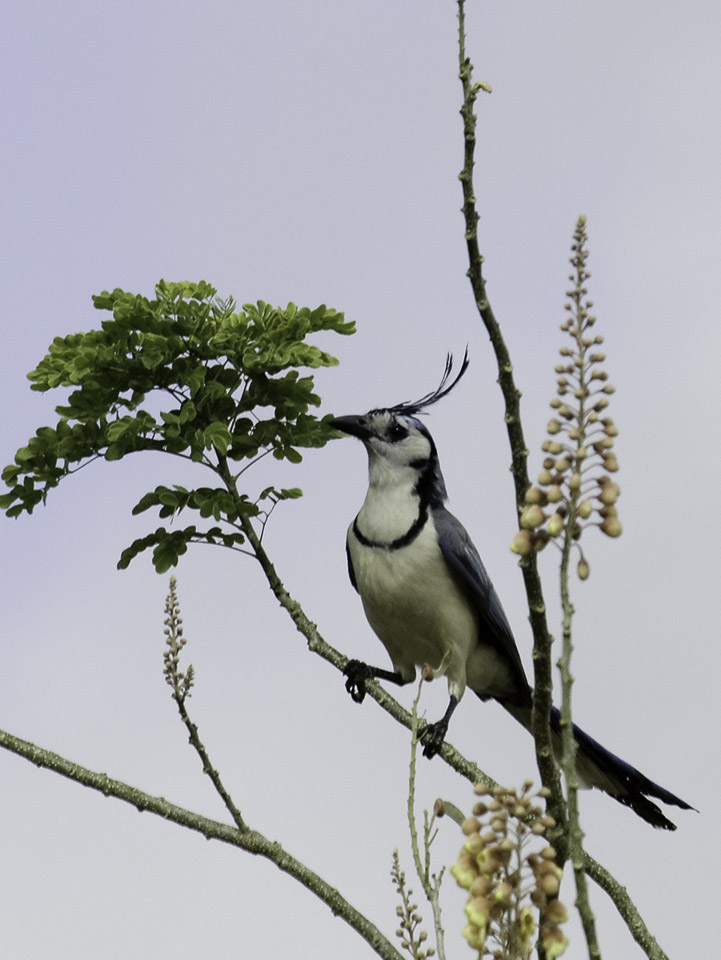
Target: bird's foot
x=357, y=674
x=432, y=737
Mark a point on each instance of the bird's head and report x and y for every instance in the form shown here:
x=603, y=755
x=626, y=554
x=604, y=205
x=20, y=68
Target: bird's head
x=400, y=447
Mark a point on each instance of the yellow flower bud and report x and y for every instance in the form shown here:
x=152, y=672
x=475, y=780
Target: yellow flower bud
x=585, y=509
x=474, y=844
x=527, y=924
x=464, y=870
x=584, y=571
x=610, y=463
x=610, y=493
x=532, y=517
x=503, y=893
x=555, y=494
x=534, y=495
x=555, y=525
x=555, y=912
x=489, y=865
x=549, y=885
x=481, y=887
x=522, y=543
x=554, y=942
x=476, y=937
x=611, y=526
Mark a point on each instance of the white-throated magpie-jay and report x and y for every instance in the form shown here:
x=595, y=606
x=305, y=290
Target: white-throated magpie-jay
x=428, y=597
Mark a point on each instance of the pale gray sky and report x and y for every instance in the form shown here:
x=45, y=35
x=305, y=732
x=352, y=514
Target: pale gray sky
x=310, y=152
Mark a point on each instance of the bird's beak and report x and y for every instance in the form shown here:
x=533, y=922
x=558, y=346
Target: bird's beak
x=356, y=426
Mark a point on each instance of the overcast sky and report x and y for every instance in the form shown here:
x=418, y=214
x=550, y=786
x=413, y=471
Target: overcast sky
x=309, y=151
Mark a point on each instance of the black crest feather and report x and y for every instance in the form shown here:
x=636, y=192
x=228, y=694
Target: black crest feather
x=442, y=390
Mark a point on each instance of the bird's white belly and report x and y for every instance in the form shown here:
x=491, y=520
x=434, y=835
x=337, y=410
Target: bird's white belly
x=414, y=606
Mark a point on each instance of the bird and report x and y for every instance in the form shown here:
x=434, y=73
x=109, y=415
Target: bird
x=428, y=596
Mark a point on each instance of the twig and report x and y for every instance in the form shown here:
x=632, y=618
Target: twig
x=431, y=884
x=625, y=906
x=575, y=833
x=542, y=640
x=181, y=684
x=249, y=840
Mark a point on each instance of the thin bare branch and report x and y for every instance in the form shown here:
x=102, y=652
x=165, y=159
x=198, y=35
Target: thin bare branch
x=247, y=839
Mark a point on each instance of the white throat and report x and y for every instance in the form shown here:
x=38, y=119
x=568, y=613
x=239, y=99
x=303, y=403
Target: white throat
x=392, y=504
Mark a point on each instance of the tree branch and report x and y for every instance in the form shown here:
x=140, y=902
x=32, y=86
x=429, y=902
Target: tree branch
x=249, y=840
x=542, y=639
x=625, y=906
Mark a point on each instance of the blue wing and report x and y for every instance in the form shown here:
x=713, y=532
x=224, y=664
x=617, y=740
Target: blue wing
x=603, y=768
x=462, y=557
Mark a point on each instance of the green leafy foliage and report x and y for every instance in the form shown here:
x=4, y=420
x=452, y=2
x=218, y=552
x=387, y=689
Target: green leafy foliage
x=228, y=386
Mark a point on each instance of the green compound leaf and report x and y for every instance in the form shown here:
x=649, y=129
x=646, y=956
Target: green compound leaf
x=224, y=384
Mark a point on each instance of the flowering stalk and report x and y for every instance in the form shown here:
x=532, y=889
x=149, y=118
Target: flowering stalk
x=411, y=937
x=510, y=883
x=431, y=883
x=574, y=492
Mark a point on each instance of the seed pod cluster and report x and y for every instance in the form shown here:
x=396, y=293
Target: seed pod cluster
x=413, y=939
x=574, y=489
x=512, y=879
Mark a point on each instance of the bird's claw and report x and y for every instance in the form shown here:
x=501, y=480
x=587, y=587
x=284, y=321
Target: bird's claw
x=357, y=674
x=432, y=737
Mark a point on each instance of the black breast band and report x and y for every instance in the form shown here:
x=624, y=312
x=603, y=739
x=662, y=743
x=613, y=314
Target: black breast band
x=408, y=537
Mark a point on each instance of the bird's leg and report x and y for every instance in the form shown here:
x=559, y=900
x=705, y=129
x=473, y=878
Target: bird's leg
x=357, y=674
x=433, y=734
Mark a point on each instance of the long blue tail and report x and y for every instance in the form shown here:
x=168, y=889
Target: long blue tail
x=598, y=767
x=619, y=779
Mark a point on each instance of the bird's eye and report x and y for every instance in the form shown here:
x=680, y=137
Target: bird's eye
x=397, y=432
